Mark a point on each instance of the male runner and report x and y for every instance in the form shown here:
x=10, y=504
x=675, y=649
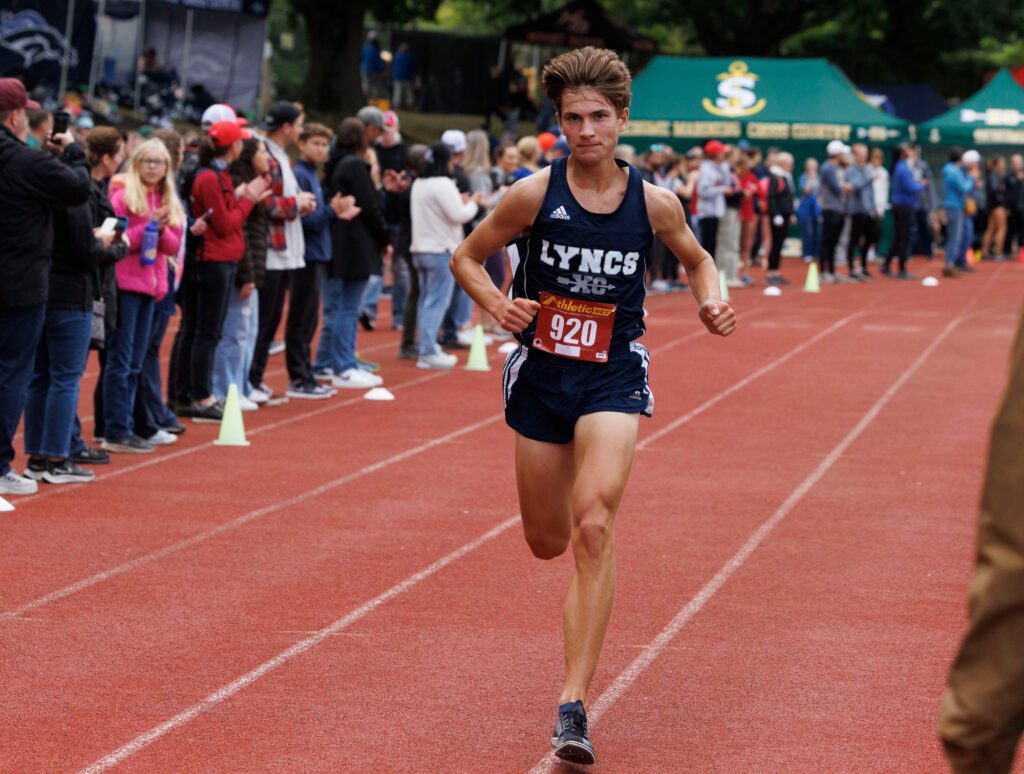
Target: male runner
x=576, y=385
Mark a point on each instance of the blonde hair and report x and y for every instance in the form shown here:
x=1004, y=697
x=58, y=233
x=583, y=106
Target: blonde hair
x=529, y=148
x=478, y=152
x=135, y=189
x=589, y=67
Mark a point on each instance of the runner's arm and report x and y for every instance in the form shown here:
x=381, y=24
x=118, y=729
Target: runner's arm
x=514, y=214
x=669, y=224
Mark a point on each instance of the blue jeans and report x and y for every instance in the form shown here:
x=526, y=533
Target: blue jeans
x=151, y=388
x=233, y=357
x=372, y=295
x=343, y=300
x=956, y=247
x=53, y=392
x=460, y=312
x=399, y=290
x=968, y=243
x=436, y=285
x=20, y=329
x=126, y=349
x=810, y=233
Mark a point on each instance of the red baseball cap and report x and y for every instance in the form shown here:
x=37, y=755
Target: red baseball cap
x=713, y=147
x=227, y=133
x=13, y=95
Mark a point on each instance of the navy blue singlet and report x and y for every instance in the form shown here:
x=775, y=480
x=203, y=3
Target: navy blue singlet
x=578, y=254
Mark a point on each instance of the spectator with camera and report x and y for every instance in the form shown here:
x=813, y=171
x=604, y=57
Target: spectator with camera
x=32, y=183
x=85, y=239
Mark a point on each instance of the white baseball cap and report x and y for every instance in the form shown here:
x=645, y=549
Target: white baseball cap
x=837, y=148
x=217, y=113
x=971, y=157
x=455, y=139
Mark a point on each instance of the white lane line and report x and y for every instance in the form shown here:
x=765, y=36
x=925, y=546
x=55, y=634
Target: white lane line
x=243, y=519
x=745, y=381
x=221, y=694
x=655, y=648
x=186, y=716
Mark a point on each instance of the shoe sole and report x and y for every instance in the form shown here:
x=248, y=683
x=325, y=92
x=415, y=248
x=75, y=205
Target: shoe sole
x=302, y=396
x=35, y=475
x=90, y=461
x=4, y=490
x=205, y=421
x=574, y=752
x=427, y=367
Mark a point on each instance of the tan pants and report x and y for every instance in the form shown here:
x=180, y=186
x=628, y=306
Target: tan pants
x=982, y=714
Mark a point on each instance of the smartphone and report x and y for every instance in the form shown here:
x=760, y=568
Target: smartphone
x=60, y=123
x=121, y=226
x=206, y=214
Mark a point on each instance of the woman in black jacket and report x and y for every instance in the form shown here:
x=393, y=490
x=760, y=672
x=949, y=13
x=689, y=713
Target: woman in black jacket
x=357, y=247
x=780, y=210
x=78, y=253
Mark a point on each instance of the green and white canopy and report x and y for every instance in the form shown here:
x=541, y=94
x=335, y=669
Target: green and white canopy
x=993, y=116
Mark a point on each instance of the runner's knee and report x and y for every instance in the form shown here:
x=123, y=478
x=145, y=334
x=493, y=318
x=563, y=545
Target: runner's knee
x=593, y=520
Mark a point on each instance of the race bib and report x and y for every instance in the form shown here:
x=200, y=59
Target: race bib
x=581, y=330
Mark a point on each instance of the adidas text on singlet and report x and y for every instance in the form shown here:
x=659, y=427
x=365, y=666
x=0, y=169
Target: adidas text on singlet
x=586, y=256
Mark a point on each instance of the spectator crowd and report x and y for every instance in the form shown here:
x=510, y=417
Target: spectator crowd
x=106, y=237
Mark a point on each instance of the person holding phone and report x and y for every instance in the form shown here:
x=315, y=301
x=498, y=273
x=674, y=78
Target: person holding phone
x=80, y=247
x=149, y=200
x=32, y=184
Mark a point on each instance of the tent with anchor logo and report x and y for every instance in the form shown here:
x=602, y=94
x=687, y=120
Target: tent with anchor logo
x=798, y=104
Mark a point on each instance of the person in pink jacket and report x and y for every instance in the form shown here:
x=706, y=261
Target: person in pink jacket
x=149, y=202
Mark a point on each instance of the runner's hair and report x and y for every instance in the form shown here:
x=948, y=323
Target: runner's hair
x=595, y=68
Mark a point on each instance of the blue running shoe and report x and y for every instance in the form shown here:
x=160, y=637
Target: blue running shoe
x=570, y=738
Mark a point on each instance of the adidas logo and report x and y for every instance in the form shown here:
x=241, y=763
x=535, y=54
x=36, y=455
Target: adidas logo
x=559, y=214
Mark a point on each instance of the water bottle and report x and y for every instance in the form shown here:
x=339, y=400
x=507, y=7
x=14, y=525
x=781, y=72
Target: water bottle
x=150, y=239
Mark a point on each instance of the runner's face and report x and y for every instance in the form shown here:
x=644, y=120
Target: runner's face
x=590, y=125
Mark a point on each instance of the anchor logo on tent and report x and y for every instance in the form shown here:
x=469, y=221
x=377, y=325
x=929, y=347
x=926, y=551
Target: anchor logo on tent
x=736, y=97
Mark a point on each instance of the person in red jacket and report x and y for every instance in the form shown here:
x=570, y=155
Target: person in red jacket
x=225, y=209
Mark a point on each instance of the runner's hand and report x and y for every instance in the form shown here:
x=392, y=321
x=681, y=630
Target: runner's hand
x=718, y=317
x=515, y=315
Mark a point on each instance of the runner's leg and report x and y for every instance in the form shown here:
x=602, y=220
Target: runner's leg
x=545, y=473
x=604, y=445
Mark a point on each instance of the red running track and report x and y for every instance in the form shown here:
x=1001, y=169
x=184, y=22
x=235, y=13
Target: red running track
x=352, y=592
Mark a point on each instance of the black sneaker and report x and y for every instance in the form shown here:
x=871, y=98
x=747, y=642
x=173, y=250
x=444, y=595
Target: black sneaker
x=208, y=415
x=66, y=472
x=91, y=456
x=175, y=428
x=367, y=322
x=36, y=468
x=130, y=444
x=570, y=738
x=309, y=391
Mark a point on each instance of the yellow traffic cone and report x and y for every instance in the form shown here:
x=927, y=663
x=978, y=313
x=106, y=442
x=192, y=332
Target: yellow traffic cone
x=723, y=287
x=5, y=506
x=812, y=284
x=232, y=430
x=477, y=360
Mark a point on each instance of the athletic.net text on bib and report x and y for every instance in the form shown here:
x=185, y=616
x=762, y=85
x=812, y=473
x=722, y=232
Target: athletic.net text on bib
x=574, y=328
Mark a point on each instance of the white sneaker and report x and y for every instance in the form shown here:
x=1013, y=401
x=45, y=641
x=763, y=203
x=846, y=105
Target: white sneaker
x=247, y=404
x=162, y=438
x=356, y=379
x=275, y=348
x=441, y=361
x=258, y=397
x=660, y=286
x=13, y=484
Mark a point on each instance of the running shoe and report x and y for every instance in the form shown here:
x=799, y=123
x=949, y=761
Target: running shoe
x=175, y=428
x=90, y=456
x=129, y=444
x=441, y=361
x=162, y=438
x=323, y=374
x=356, y=379
x=13, y=484
x=570, y=738
x=64, y=472
x=308, y=391
x=408, y=353
x=36, y=468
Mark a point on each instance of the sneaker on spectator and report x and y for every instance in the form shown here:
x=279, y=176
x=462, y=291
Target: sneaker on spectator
x=66, y=472
x=660, y=286
x=258, y=396
x=162, y=438
x=366, y=321
x=176, y=428
x=263, y=395
x=13, y=484
x=91, y=456
x=356, y=379
x=367, y=365
x=308, y=391
x=276, y=348
x=36, y=468
x=129, y=444
x=441, y=361
x=210, y=414
x=247, y=405
x=323, y=374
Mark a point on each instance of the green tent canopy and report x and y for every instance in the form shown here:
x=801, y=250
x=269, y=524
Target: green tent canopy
x=993, y=116
x=786, y=102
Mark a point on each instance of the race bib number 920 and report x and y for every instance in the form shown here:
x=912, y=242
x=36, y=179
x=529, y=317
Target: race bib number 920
x=573, y=328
